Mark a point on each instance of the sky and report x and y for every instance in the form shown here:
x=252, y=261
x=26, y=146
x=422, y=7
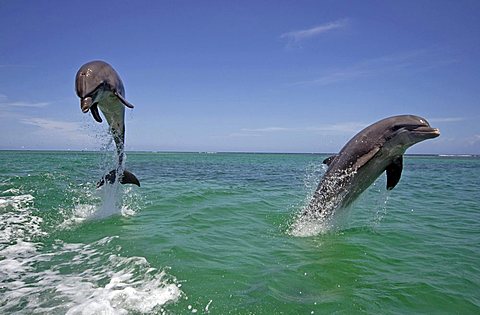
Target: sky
x=252, y=76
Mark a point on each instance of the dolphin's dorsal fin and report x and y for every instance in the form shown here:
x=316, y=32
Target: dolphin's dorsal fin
x=394, y=172
x=329, y=160
x=95, y=114
x=123, y=100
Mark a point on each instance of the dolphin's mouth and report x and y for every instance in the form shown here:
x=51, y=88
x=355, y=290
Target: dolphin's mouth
x=426, y=131
x=85, y=104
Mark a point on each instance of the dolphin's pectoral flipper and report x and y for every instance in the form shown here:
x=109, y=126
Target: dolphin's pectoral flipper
x=126, y=178
x=394, y=172
x=329, y=160
x=95, y=113
x=123, y=100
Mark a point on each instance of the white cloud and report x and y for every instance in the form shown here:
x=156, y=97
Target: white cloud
x=338, y=128
x=15, y=66
x=266, y=129
x=300, y=35
x=242, y=134
x=5, y=103
x=49, y=124
x=473, y=140
x=24, y=104
x=413, y=61
x=446, y=119
x=43, y=131
x=65, y=130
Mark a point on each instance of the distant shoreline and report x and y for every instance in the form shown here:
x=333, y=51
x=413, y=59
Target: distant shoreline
x=232, y=152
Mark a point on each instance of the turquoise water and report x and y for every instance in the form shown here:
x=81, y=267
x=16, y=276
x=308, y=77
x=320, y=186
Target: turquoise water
x=212, y=233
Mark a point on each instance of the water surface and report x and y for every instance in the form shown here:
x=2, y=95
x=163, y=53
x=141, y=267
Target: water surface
x=211, y=233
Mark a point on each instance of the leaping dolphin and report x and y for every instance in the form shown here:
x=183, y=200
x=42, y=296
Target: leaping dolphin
x=377, y=148
x=99, y=86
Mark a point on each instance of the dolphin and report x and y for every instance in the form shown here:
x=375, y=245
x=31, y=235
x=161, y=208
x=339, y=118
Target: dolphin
x=377, y=148
x=99, y=86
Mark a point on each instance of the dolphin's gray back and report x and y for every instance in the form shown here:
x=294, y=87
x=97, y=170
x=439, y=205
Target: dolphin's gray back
x=95, y=73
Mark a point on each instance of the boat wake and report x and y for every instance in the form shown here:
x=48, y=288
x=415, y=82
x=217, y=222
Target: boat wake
x=80, y=279
x=42, y=275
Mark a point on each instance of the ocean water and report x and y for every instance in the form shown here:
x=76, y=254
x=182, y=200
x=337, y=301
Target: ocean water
x=216, y=234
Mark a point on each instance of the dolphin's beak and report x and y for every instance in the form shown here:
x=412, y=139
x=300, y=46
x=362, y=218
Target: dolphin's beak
x=426, y=132
x=85, y=104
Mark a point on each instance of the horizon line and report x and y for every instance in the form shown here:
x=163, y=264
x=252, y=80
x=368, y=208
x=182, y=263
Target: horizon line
x=230, y=152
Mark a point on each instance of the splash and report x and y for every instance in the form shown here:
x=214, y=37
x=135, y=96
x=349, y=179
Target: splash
x=111, y=195
x=380, y=202
x=305, y=227
x=335, y=216
x=110, y=199
x=96, y=204
x=325, y=196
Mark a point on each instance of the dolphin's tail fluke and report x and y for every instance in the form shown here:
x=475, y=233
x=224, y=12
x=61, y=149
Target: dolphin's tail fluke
x=126, y=178
x=129, y=178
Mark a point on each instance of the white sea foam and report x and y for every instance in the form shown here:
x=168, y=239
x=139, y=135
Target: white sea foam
x=17, y=220
x=15, y=191
x=17, y=202
x=81, y=279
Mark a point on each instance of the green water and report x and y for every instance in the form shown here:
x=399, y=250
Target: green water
x=210, y=233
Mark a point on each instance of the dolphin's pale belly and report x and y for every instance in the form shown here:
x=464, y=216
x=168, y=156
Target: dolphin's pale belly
x=113, y=110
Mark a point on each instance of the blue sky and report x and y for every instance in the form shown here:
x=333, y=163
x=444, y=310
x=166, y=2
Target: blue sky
x=265, y=76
